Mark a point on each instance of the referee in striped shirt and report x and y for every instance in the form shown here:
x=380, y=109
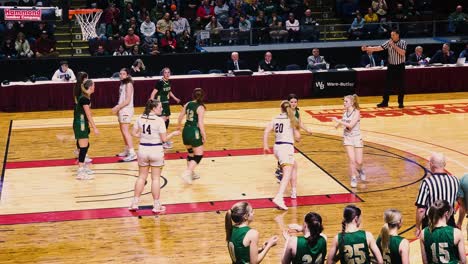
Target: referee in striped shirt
x=396, y=48
x=438, y=186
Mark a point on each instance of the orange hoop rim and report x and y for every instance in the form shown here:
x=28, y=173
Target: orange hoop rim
x=72, y=12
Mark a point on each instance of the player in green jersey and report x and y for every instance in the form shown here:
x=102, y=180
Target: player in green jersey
x=81, y=77
x=162, y=92
x=394, y=248
x=193, y=134
x=441, y=243
x=82, y=120
x=241, y=239
x=353, y=244
x=310, y=248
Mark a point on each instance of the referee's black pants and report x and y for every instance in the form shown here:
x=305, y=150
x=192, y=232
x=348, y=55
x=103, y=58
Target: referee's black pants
x=396, y=82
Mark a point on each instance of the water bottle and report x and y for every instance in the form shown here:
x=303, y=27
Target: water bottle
x=382, y=64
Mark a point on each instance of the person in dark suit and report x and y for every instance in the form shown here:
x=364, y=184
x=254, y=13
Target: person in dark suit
x=268, y=64
x=234, y=63
x=444, y=56
x=416, y=58
x=369, y=60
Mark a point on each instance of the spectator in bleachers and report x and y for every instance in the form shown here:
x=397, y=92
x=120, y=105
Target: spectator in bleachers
x=385, y=27
x=293, y=28
x=269, y=7
x=111, y=13
x=234, y=63
x=25, y=27
x=163, y=25
x=464, y=53
x=237, y=9
x=316, y=62
x=412, y=7
x=252, y=10
x=136, y=51
x=101, y=51
x=64, y=73
x=45, y=47
x=400, y=15
x=10, y=31
x=205, y=12
x=221, y=11
x=142, y=14
x=168, y=42
x=134, y=25
x=113, y=30
x=8, y=50
x=190, y=11
x=268, y=64
x=371, y=17
x=309, y=25
x=380, y=7
x=284, y=10
x=148, y=28
x=356, y=30
x=369, y=59
x=458, y=21
x=185, y=43
x=154, y=50
x=22, y=46
x=444, y=56
x=128, y=13
x=261, y=27
x=120, y=51
x=417, y=58
x=180, y=24
x=277, y=31
x=131, y=39
x=196, y=27
x=157, y=12
x=231, y=32
x=215, y=29
x=244, y=28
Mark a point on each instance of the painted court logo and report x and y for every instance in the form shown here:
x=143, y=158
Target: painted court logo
x=372, y=112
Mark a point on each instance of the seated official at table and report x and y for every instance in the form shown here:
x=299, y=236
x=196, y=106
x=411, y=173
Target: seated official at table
x=464, y=53
x=234, y=63
x=417, y=57
x=444, y=56
x=316, y=62
x=369, y=60
x=268, y=64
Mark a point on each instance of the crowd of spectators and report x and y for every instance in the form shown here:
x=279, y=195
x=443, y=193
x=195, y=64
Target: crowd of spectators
x=22, y=39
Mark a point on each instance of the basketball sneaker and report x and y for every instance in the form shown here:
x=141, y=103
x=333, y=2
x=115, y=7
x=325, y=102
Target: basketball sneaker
x=134, y=205
x=87, y=158
x=353, y=182
x=187, y=177
x=82, y=175
x=88, y=170
x=158, y=208
x=280, y=203
x=123, y=153
x=293, y=193
x=362, y=175
x=195, y=176
x=167, y=145
x=130, y=157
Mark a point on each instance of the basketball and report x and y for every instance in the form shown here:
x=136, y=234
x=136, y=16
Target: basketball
x=173, y=7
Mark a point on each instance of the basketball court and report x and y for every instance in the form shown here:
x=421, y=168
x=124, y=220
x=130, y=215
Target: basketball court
x=46, y=216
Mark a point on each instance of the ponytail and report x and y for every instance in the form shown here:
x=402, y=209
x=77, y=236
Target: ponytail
x=286, y=108
x=198, y=95
x=385, y=238
x=228, y=225
x=78, y=87
x=239, y=213
x=150, y=104
x=437, y=211
x=349, y=214
x=355, y=99
x=129, y=77
x=314, y=225
x=341, y=242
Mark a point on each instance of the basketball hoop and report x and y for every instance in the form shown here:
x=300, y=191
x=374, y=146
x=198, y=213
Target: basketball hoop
x=87, y=18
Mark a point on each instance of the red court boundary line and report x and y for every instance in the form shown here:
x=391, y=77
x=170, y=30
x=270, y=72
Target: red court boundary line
x=105, y=160
x=183, y=208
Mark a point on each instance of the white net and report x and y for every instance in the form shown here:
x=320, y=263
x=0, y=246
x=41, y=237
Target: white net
x=88, y=24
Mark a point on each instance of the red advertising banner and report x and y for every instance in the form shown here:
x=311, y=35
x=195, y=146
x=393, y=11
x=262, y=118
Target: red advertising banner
x=23, y=14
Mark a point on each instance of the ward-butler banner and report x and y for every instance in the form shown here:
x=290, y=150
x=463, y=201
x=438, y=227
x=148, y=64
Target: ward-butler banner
x=8, y=13
x=333, y=83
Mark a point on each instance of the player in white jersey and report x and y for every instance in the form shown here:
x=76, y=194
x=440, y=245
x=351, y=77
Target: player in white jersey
x=151, y=130
x=352, y=139
x=286, y=128
x=124, y=111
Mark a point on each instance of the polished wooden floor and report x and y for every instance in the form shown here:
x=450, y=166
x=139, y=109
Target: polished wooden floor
x=397, y=145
